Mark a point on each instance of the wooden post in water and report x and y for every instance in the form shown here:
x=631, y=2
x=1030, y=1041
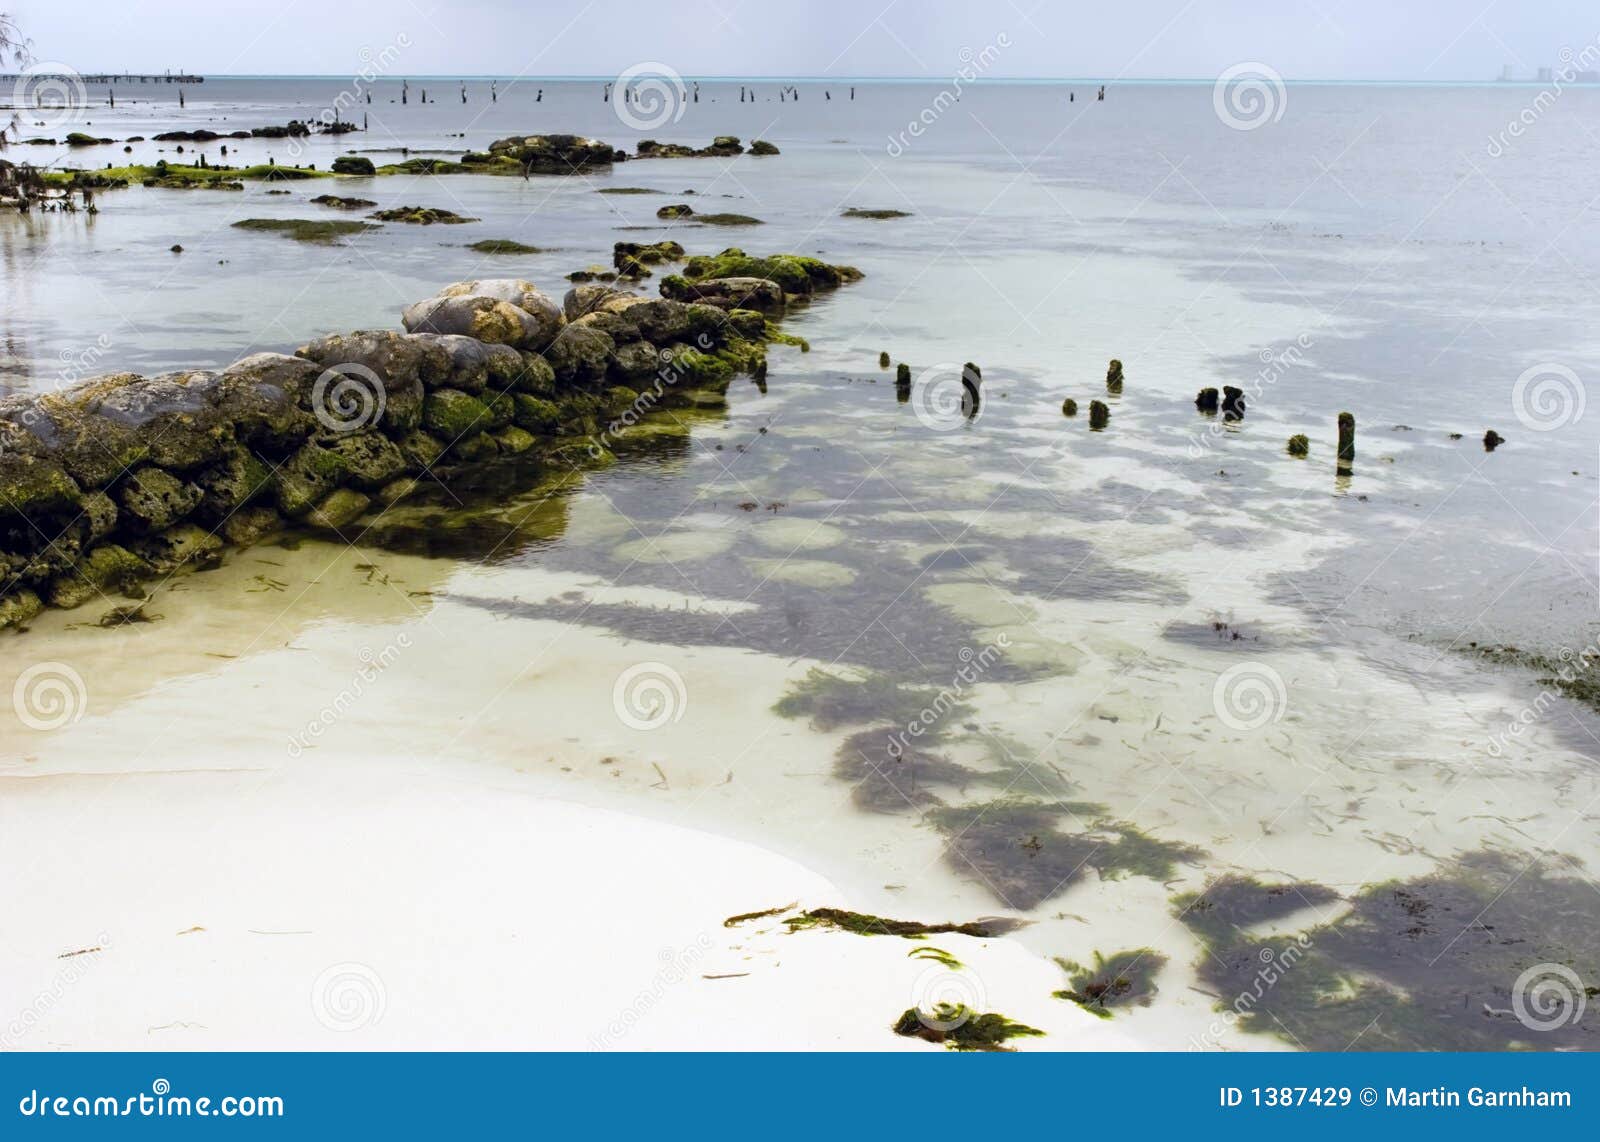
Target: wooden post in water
x=1347, y=440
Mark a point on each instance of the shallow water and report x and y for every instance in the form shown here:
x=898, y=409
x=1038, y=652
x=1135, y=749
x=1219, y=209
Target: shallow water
x=1152, y=656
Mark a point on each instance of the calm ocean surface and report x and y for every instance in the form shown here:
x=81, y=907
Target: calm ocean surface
x=1188, y=642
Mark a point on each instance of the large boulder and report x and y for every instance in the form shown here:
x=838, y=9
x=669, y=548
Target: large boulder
x=263, y=397
x=580, y=354
x=523, y=294
x=484, y=318
x=587, y=298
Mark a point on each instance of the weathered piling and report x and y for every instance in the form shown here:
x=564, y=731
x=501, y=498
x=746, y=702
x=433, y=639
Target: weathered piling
x=1099, y=415
x=1232, y=403
x=1206, y=400
x=1299, y=445
x=1492, y=440
x=1114, y=377
x=1347, y=439
x=1069, y=407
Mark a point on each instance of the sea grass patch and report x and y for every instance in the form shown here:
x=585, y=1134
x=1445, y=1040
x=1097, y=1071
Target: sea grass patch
x=1448, y=961
x=1026, y=852
x=322, y=231
x=1123, y=979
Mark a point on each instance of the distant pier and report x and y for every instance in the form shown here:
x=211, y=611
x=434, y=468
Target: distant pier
x=107, y=77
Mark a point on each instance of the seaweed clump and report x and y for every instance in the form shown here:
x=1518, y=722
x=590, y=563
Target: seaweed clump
x=876, y=215
x=1126, y=979
x=863, y=924
x=960, y=1028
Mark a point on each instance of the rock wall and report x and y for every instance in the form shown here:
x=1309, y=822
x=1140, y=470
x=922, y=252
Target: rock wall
x=124, y=478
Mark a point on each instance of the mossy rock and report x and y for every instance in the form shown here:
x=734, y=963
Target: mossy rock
x=184, y=545
x=109, y=567
x=536, y=414
x=19, y=608
x=796, y=273
x=250, y=525
x=537, y=376
x=341, y=507
x=421, y=450
x=503, y=246
x=513, y=441
x=154, y=499
x=762, y=147
x=454, y=415
x=1299, y=445
x=875, y=215
x=31, y=487
x=230, y=483
x=420, y=216
x=367, y=460
x=353, y=164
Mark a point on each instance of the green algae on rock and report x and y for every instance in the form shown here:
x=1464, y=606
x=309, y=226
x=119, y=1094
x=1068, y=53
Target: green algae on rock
x=503, y=246
x=797, y=274
x=354, y=165
x=339, y=202
x=875, y=215
x=420, y=215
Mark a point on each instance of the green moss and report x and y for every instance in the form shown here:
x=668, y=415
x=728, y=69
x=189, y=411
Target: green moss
x=321, y=231
x=696, y=367
x=353, y=164
x=877, y=215
x=420, y=216
x=168, y=174
x=862, y=924
x=626, y=190
x=108, y=567
x=453, y=415
x=960, y=1028
x=535, y=414
x=435, y=166
x=795, y=273
x=503, y=246
x=1126, y=979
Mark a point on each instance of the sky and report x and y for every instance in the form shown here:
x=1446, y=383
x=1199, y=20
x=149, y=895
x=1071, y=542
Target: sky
x=1299, y=39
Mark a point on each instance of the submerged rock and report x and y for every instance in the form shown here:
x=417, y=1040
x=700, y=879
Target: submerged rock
x=1207, y=400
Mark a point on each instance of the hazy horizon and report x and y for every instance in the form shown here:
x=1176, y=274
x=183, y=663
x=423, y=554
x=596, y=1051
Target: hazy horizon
x=1146, y=40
